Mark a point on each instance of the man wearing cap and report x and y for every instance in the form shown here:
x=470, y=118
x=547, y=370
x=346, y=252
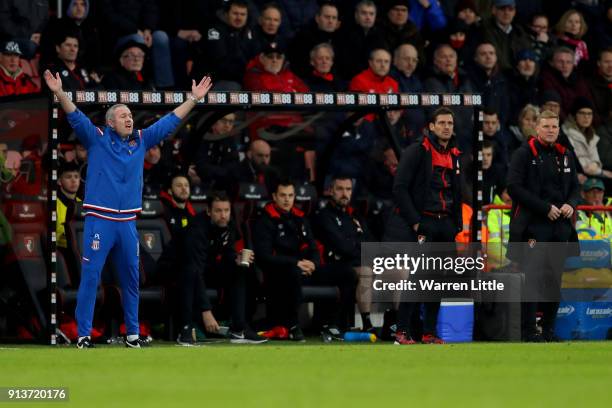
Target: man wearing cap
x=13, y=81
x=594, y=224
x=397, y=28
x=545, y=191
x=127, y=74
x=499, y=30
x=113, y=198
x=523, y=82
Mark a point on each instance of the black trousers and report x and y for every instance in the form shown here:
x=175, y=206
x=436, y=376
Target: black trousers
x=434, y=230
x=228, y=279
x=285, y=293
x=543, y=267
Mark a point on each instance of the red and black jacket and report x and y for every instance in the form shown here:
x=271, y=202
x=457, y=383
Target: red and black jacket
x=413, y=180
x=283, y=238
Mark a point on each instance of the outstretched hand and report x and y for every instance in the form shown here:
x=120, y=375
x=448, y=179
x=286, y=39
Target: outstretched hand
x=202, y=88
x=53, y=82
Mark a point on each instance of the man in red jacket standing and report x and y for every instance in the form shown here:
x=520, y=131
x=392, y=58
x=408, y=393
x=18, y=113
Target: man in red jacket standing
x=13, y=81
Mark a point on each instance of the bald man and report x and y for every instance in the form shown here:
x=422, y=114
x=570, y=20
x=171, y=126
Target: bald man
x=256, y=168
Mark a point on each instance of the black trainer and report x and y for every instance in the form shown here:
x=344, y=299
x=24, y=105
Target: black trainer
x=333, y=331
x=247, y=336
x=186, y=337
x=295, y=334
x=85, y=342
x=138, y=343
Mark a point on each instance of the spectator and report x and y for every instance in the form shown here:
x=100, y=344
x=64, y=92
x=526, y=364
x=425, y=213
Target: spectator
x=268, y=72
x=74, y=76
x=541, y=41
x=287, y=253
x=593, y=224
x=69, y=183
x=184, y=21
x=493, y=172
x=524, y=129
x=13, y=81
x=602, y=27
x=448, y=78
x=228, y=47
x=178, y=211
x=570, y=29
x=376, y=78
x=405, y=72
x=268, y=24
x=550, y=100
x=427, y=15
x=213, y=255
x=501, y=31
x=129, y=21
x=562, y=76
x=156, y=173
x=341, y=232
x=494, y=134
x=467, y=11
x=296, y=15
x=579, y=129
x=322, y=78
x=601, y=84
x=128, y=74
x=76, y=20
x=255, y=167
x=398, y=29
x=456, y=35
x=523, y=83
x=357, y=39
x=323, y=29
x=217, y=154
x=488, y=80
x=23, y=22
x=351, y=154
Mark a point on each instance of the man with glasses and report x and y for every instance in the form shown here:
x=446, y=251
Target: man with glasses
x=128, y=74
x=507, y=37
x=541, y=42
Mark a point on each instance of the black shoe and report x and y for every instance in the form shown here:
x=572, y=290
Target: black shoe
x=186, y=337
x=533, y=338
x=247, y=336
x=389, y=327
x=332, y=332
x=138, y=343
x=295, y=334
x=85, y=342
x=551, y=337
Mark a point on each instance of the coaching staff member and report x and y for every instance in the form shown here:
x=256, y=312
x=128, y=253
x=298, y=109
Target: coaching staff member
x=113, y=197
x=544, y=189
x=427, y=192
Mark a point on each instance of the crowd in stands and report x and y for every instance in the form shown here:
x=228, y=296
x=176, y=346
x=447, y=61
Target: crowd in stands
x=522, y=56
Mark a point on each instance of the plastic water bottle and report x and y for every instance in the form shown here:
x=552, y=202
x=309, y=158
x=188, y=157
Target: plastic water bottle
x=360, y=336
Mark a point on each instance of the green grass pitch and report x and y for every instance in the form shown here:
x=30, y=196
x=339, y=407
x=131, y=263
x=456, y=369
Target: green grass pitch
x=314, y=374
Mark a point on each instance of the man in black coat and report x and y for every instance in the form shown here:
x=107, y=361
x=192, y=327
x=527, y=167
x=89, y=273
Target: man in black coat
x=341, y=232
x=288, y=254
x=427, y=191
x=545, y=191
x=213, y=258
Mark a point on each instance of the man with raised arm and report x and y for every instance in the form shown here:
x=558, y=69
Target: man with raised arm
x=113, y=197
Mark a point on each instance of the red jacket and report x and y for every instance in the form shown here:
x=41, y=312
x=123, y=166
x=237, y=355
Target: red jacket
x=22, y=84
x=368, y=81
x=257, y=79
